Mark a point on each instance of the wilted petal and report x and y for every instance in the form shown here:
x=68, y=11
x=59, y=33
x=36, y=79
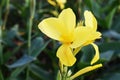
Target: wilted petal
x=68, y=18
x=65, y=55
x=90, y=20
x=96, y=56
x=81, y=36
x=52, y=27
x=85, y=70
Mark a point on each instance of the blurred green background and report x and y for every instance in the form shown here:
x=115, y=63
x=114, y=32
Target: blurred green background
x=27, y=54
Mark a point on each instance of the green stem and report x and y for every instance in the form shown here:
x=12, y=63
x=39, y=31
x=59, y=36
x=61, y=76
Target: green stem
x=30, y=23
x=6, y=14
x=32, y=12
x=1, y=75
x=64, y=73
x=1, y=48
x=27, y=73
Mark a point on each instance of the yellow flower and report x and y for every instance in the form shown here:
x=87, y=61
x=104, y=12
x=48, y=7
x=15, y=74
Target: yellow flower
x=64, y=30
x=61, y=3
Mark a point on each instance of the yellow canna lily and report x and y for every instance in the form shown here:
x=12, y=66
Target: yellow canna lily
x=61, y=3
x=63, y=29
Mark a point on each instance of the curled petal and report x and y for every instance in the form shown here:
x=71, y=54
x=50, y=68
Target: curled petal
x=65, y=55
x=90, y=20
x=95, y=35
x=81, y=36
x=85, y=70
x=96, y=56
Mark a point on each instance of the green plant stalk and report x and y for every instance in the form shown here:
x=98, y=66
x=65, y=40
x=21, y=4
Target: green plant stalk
x=6, y=14
x=1, y=47
x=30, y=23
x=32, y=12
x=1, y=75
x=63, y=71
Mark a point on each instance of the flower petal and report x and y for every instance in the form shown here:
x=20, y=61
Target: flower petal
x=65, y=55
x=95, y=35
x=96, y=56
x=67, y=17
x=81, y=36
x=61, y=1
x=85, y=70
x=90, y=20
x=52, y=27
x=52, y=2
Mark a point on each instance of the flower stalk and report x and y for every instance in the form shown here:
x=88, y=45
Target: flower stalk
x=30, y=23
x=6, y=14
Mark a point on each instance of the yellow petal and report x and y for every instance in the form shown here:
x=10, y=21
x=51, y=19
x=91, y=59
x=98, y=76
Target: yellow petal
x=68, y=18
x=52, y=2
x=95, y=35
x=96, y=56
x=65, y=55
x=61, y=6
x=81, y=36
x=90, y=20
x=52, y=27
x=61, y=1
x=85, y=70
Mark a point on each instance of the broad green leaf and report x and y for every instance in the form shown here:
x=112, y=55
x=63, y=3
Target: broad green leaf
x=17, y=71
x=109, y=18
x=88, y=53
x=107, y=55
x=1, y=76
x=22, y=61
x=38, y=45
x=116, y=23
x=111, y=76
x=40, y=73
x=106, y=46
x=9, y=54
x=112, y=34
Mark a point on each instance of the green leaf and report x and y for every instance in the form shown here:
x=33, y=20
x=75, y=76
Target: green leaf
x=116, y=23
x=109, y=18
x=9, y=54
x=17, y=71
x=112, y=34
x=40, y=73
x=115, y=46
x=107, y=55
x=22, y=61
x=88, y=53
x=1, y=75
x=38, y=45
x=111, y=76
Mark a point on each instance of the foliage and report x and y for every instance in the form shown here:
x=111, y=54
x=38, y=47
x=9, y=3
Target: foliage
x=27, y=54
